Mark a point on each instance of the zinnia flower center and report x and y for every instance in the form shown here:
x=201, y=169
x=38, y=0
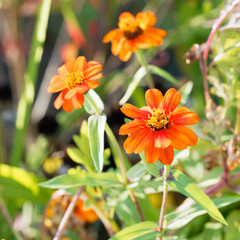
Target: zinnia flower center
x=132, y=31
x=73, y=79
x=158, y=120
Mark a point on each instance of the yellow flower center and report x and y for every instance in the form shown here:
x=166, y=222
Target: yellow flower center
x=132, y=31
x=158, y=120
x=73, y=79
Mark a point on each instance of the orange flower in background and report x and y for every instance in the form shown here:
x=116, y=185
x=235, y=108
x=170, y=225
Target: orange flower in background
x=159, y=127
x=74, y=78
x=134, y=33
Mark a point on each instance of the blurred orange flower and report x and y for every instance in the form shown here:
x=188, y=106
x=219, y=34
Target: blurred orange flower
x=159, y=127
x=85, y=214
x=74, y=78
x=133, y=33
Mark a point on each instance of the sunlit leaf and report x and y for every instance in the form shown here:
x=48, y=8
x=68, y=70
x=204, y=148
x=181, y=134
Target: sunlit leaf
x=138, y=76
x=83, y=179
x=96, y=129
x=139, y=231
x=184, y=185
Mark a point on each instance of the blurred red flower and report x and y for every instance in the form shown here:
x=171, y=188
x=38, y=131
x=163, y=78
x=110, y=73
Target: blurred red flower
x=159, y=127
x=74, y=78
x=134, y=33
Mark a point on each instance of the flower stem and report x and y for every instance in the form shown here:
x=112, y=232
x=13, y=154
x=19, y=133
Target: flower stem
x=143, y=62
x=67, y=214
x=110, y=225
x=164, y=200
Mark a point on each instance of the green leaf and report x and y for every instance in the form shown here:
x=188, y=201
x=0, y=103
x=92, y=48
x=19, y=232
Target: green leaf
x=233, y=228
x=83, y=179
x=164, y=74
x=137, y=171
x=184, y=185
x=96, y=129
x=138, y=76
x=30, y=78
x=18, y=183
x=93, y=103
x=127, y=212
x=139, y=231
x=182, y=217
x=153, y=168
x=185, y=91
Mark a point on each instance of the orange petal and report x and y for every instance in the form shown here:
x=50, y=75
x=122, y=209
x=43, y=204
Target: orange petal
x=146, y=19
x=126, y=19
x=70, y=64
x=117, y=46
x=181, y=136
x=80, y=64
x=137, y=141
x=131, y=127
x=57, y=79
x=94, y=77
x=161, y=139
x=68, y=106
x=189, y=118
x=125, y=54
x=79, y=89
x=170, y=100
x=63, y=70
x=92, y=84
x=109, y=36
x=151, y=152
x=130, y=45
x=60, y=100
x=134, y=112
x=153, y=98
x=165, y=155
x=78, y=100
x=180, y=110
x=57, y=87
x=92, y=70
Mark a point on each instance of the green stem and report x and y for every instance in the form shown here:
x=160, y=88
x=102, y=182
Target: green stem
x=143, y=63
x=110, y=225
x=164, y=200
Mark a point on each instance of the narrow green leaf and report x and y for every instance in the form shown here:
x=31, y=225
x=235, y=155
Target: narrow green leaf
x=96, y=129
x=83, y=179
x=143, y=231
x=30, y=77
x=184, y=185
x=138, y=76
x=164, y=74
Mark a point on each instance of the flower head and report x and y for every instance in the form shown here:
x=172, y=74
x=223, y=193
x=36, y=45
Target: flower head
x=74, y=78
x=159, y=127
x=134, y=33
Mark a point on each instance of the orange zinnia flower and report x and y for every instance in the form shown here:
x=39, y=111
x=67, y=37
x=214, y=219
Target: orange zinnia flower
x=133, y=33
x=159, y=127
x=74, y=78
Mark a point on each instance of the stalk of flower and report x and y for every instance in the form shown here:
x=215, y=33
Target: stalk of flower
x=74, y=78
x=134, y=33
x=159, y=127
